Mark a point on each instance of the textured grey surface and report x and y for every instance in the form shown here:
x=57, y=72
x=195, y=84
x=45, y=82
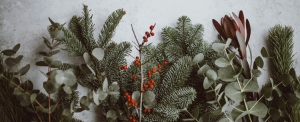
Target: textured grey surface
x=25, y=22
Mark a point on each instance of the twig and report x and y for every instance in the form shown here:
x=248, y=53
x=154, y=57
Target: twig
x=131, y=55
x=57, y=102
x=135, y=35
x=191, y=115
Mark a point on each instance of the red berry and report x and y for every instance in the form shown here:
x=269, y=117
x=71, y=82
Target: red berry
x=125, y=67
x=149, y=73
x=151, y=86
x=136, y=62
x=151, y=27
x=130, y=118
x=126, y=94
x=139, y=64
x=137, y=57
x=144, y=37
x=153, y=70
x=148, y=83
x=132, y=101
x=148, y=110
x=165, y=62
x=149, y=76
x=145, y=110
x=134, y=77
x=147, y=33
x=143, y=90
x=122, y=68
x=128, y=100
x=146, y=40
x=144, y=78
x=135, y=104
x=129, y=104
x=152, y=34
x=152, y=81
x=159, y=66
x=159, y=70
x=144, y=85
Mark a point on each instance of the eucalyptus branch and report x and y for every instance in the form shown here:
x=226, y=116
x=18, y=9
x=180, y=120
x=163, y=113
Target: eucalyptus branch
x=268, y=118
x=191, y=115
x=257, y=101
x=220, y=103
x=141, y=96
x=247, y=83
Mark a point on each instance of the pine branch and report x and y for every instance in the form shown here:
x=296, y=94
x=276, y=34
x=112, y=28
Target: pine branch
x=73, y=45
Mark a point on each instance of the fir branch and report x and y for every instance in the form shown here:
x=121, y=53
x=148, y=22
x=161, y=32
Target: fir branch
x=73, y=45
x=109, y=27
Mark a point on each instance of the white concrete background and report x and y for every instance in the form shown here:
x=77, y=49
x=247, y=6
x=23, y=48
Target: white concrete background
x=25, y=22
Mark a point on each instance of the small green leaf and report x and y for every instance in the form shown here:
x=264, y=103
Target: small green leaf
x=281, y=103
x=264, y=52
x=18, y=91
x=67, y=114
x=150, y=105
x=218, y=88
x=33, y=97
x=207, y=83
x=203, y=69
x=198, y=58
x=67, y=77
x=195, y=112
x=224, y=107
x=84, y=103
x=211, y=102
x=105, y=85
x=16, y=81
x=49, y=87
x=224, y=120
x=259, y=62
x=291, y=98
x=267, y=92
x=252, y=86
x=227, y=43
x=8, y=52
x=67, y=89
x=98, y=53
x=260, y=109
x=49, y=60
x=24, y=103
x=222, y=62
x=242, y=115
x=136, y=96
x=286, y=79
x=41, y=63
x=19, y=58
x=56, y=64
x=11, y=61
x=220, y=96
x=148, y=96
x=28, y=85
x=233, y=93
x=235, y=112
x=96, y=98
x=17, y=47
x=211, y=74
x=115, y=86
x=217, y=112
x=24, y=70
x=231, y=56
x=274, y=113
x=256, y=72
x=87, y=58
x=227, y=73
x=102, y=95
x=111, y=114
x=218, y=47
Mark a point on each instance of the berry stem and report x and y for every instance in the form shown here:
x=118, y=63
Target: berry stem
x=141, y=96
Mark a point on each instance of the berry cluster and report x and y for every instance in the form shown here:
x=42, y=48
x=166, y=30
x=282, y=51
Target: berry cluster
x=124, y=67
x=137, y=62
x=132, y=119
x=148, y=34
x=147, y=110
x=130, y=100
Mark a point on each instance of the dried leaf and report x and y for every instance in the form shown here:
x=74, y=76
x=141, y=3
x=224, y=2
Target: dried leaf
x=241, y=16
x=242, y=29
x=220, y=29
x=248, y=31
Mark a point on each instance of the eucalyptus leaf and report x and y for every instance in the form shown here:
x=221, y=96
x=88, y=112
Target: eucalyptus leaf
x=111, y=114
x=28, y=85
x=250, y=86
x=102, y=96
x=256, y=72
x=259, y=62
x=18, y=91
x=242, y=115
x=24, y=103
x=49, y=60
x=267, y=92
x=236, y=111
x=231, y=56
x=222, y=62
x=87, y=58
x=218, y=88
x=67, y=77
x=227, y=43
x=16, y=82
x=11, y=61
x=291, y=98
x=224, y=107
x=195, y=112
x=292, y=72
x=8, y=52
x=33, y=97
x=233, y=93
x=264, y=52
x=24, y=70
x=286, y=79
x=148, y=96
x=224, y=120
x=203, y=69
x=207, y=83
x=227, y=73
x=96, y=98
x=211, y=74
x=105, y=85
x=115, y=86
x=41, y=63
x=260, y=109
x=56, y=64
x=98, y=53
x=217, y=112
x=136, y=96
x=49, y=87
x=274, y=113
x=219, y=47
x=67, y=89
x=18, y=59
x=150, y=105
x=84, y=103
x=198, y=58
x=220, y=96
x=211, y=102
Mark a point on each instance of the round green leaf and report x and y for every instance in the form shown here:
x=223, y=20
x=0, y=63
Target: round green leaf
x=84, y=103
x=218, y=88
x=207, y=83
x=150, y=105
x=227, y=43
x=98, y=53
x=24, y=103
x=292, y=99
x=56, y=64
x=198, y=58
x=49, y=60
x=148, y=96
x=136, y=96
x=259, y=62
x=111, y=114
x=233, y=93
x=49, y=87
x=274, y=113
x=286, y=78
x=19, y=58
x=67, y=89
x=28, y=85
x=227, y=73
x=218, y=47
x=115, y=87
x=250, y=86
x=87, y=58
x=203, y=69
x=222, y=62
x=231, y=56
x=195, y=112
x=8, y=52
x=264, y=52
x=18, y=91
x=267, y=92
x=211, y=74
x=102, y=96
x=67, y=77
x=260, y=109
x=256, y=72
x=24, y=70
x=17, y=47
x=16, y=81
x=235, y=111
x=217, y=112
x=33, y=97
x=96, y=98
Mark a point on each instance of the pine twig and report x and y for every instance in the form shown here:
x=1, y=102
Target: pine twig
x=153, y=56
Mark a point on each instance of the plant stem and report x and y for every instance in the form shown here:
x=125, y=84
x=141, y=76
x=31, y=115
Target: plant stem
x=141, y=96
x=191, y=115
x=49, y=77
